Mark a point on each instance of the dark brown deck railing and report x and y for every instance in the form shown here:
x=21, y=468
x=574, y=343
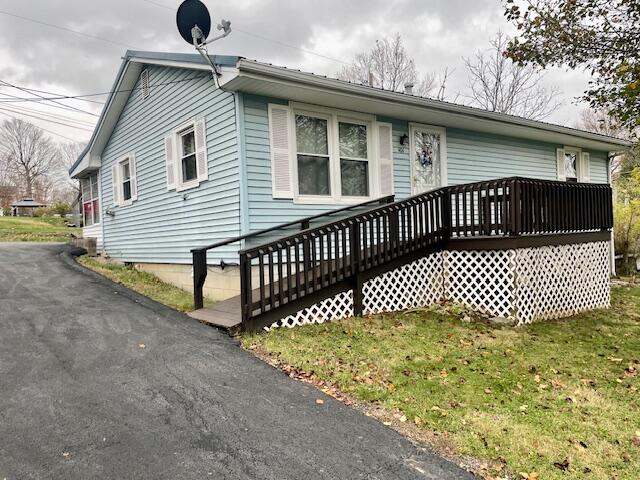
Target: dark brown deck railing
x=284, y=275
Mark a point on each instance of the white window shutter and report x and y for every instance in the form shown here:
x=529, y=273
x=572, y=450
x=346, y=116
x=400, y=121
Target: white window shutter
x=562, y=176
x=201, y=150
x=385, y=158
x=115, y=180
x=170, y=161
x=281, y=146
x=585, y=167
x=133, y=177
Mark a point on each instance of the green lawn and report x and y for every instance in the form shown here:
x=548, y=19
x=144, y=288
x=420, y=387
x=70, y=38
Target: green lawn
x=142, y=282
x=41, y=229
x=553, y=400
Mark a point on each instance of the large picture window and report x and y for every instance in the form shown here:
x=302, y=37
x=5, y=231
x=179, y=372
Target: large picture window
x=90, y=200
x=332, y=156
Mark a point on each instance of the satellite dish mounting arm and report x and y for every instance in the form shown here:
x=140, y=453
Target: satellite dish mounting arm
x=201, y=46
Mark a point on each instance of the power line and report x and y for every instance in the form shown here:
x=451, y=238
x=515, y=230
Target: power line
x=251, y=34
x=20, y=99
x=66, y=29
x=4, y=109
x=46, y=99
x=62, y=94
x=67, y=97
x=55, y=116
x=44, y=129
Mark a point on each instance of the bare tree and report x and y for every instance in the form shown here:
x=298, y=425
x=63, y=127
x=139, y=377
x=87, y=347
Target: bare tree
x=388, y=65
x=30, y=156
x=499, y=85
x=599, y=121
x=65, y=188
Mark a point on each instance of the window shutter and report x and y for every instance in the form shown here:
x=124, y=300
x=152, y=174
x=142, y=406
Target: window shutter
x=115, y=180
x=170, y=162
x=585, y=167
x=281, y=144
x=201, y=150
x=385, y=158
x=133, y=177
x=560, y=161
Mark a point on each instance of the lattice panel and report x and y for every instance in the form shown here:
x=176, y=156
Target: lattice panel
x=413, y=285
x=523, y=285
x=481, y=280
x=559, y=281
x=333, y=308
x=416, y=284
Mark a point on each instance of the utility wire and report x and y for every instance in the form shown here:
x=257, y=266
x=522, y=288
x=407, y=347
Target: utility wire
x=61, y=94
x=67, y=97
x=2, y=112
x=18, y=99
x=66, y=29
x=46, y=99
x=4, y=109
x=55, y=116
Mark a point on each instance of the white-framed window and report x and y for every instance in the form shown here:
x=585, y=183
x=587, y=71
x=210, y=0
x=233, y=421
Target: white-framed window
x=322, y=155
x=573, y=164
x=90, y=200
x=125, y=187
x=186, y=156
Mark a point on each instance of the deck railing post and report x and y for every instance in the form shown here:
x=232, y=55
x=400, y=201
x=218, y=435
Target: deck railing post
x=446, y=214
x=356, y=258
x=516, y=207
x=199, y=276
x=246, y=294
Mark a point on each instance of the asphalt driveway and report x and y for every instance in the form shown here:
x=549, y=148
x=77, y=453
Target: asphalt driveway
x=96, y=382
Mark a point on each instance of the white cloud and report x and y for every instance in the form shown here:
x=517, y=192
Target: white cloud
x=437, y=33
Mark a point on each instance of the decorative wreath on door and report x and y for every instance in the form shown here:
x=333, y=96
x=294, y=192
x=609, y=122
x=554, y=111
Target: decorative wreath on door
x=426, y=156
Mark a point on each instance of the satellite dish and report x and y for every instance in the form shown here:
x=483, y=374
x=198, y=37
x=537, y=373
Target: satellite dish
x=191, y=14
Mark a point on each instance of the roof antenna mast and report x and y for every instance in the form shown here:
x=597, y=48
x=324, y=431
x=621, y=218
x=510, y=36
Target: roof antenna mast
x=194, y=25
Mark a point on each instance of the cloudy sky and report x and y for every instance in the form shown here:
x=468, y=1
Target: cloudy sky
x=39, y=49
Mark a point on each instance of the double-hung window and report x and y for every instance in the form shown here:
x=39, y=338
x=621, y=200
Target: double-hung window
x=574, y=165
x=322, y=155
x=186, y=160
x=187, y=144
x=125, y=175
x=125, y=188
x=312, y=151
x=90, y=202
x=354, y=159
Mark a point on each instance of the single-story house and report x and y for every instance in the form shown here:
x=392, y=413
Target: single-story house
x=182, y=158
x=25, y=207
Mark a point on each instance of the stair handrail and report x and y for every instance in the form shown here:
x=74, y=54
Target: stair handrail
x=199, y=254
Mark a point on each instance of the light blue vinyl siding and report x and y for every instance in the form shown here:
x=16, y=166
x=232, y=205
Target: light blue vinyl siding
x=475, y=156
x=472, y=156
x=599, y=167
x=264, y=210
x=162, y=226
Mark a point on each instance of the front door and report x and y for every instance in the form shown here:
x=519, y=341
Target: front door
x=428, y=150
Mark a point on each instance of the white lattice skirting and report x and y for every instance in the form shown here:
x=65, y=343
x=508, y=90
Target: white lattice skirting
x=521, y=285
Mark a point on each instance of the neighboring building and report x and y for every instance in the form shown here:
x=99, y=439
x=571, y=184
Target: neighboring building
x=25, y=207
x=178, y=162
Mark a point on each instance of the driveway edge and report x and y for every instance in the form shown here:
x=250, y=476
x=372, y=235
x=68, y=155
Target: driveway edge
x=69, y=255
